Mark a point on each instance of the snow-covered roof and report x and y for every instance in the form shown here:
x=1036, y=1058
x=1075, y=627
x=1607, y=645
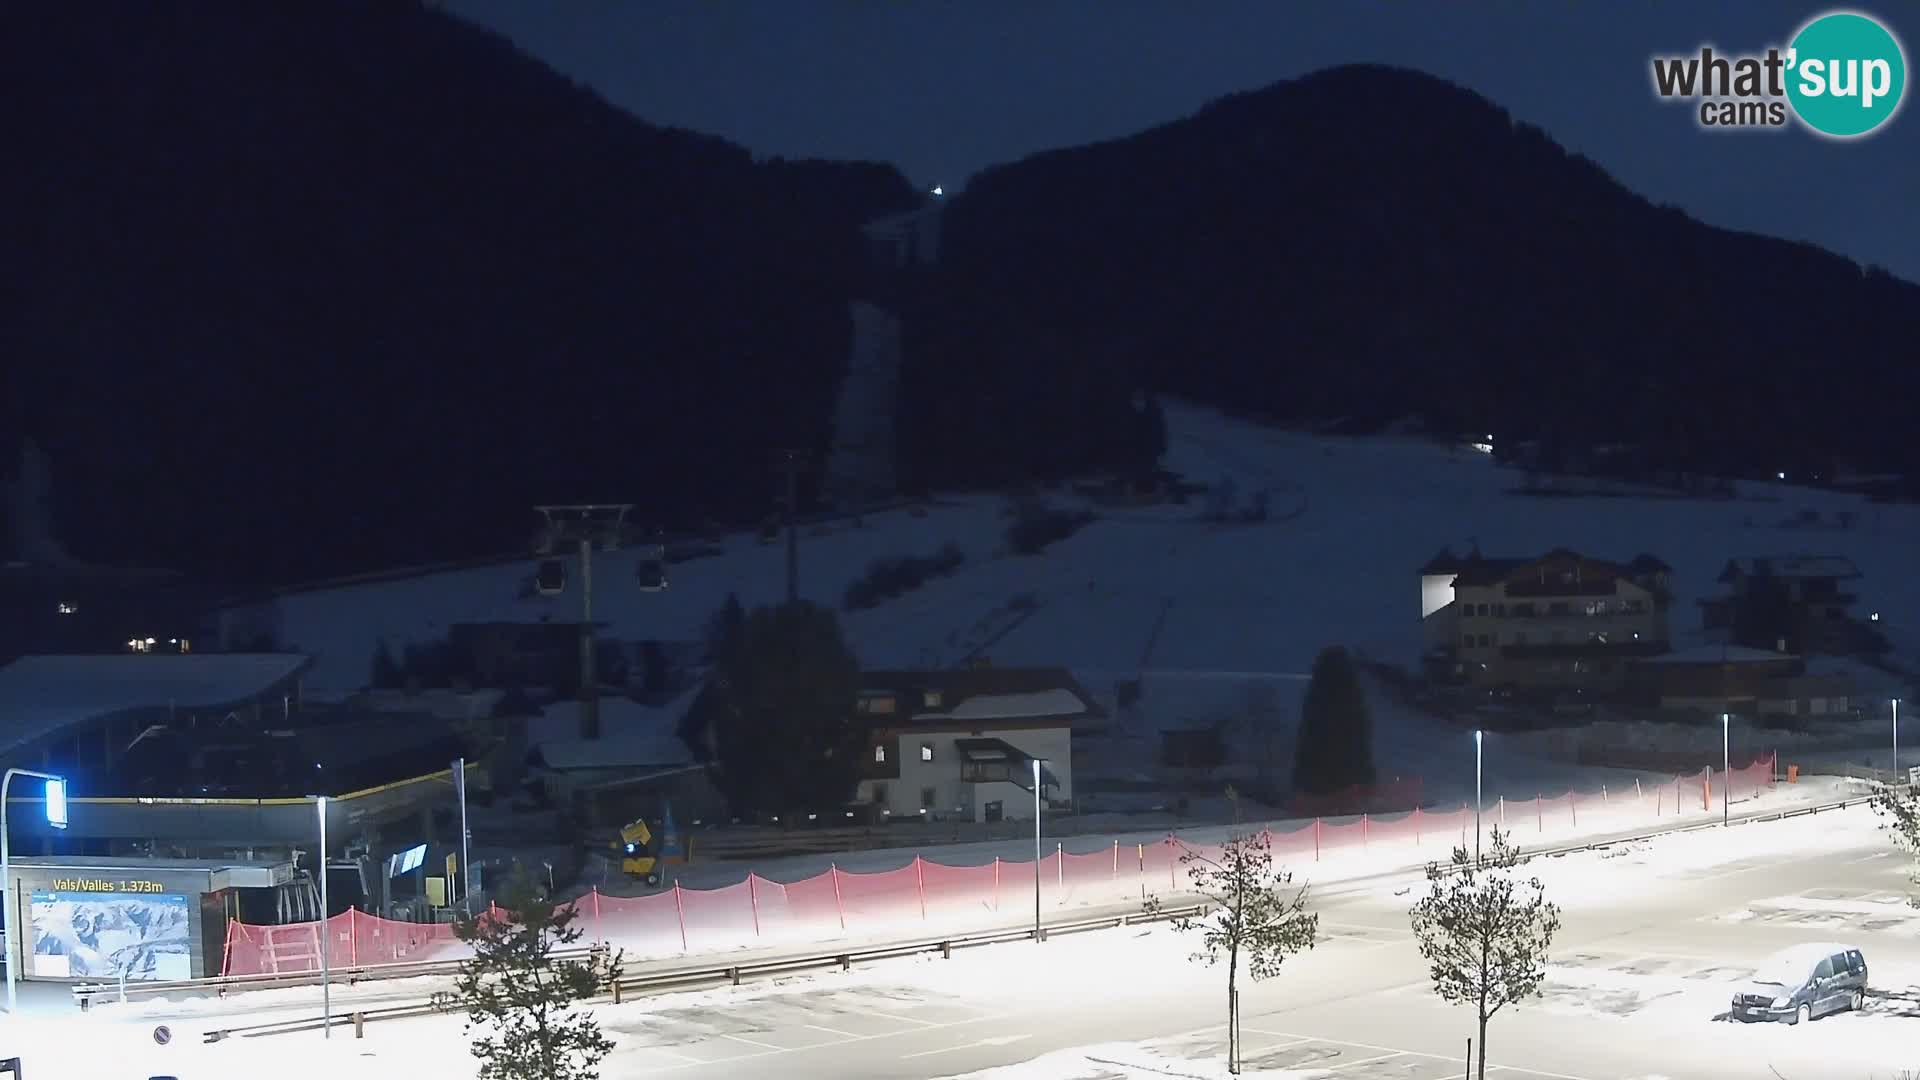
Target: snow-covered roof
x=1797, y=566
x=1720, y=654
x=42, y=694
x=632, y=735
x=956, y=697
x=1045, y=703
x=643, y=751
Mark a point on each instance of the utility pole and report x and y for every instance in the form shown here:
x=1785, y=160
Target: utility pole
x=790, y=464
x=586, y=526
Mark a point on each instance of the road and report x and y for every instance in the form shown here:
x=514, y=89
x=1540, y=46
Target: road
x=1652, y=941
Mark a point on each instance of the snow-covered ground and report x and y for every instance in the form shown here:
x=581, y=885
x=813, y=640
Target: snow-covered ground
x=1155, y=588
x=1635, y=998
x=1208, y=616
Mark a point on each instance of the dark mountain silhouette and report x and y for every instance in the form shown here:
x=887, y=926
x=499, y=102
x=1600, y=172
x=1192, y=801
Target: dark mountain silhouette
x=1370, y=243
x=305, y=288
x=321, y=287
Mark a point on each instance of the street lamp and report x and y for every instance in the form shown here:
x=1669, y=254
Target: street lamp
x=326, y=931
x=56, y=817
x=1727, y=763
x=1478, y=737
x=1036, y=849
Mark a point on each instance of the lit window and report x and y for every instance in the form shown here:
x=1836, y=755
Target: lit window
x=67, y=609
x=932, y=699
x=926, y=751
x=880, y=754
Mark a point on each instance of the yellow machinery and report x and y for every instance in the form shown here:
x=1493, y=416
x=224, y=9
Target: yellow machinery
x=638, y=855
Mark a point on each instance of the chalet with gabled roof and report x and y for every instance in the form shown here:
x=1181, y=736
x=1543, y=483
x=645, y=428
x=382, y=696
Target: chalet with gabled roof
x=1559, y=620
x=962, y=743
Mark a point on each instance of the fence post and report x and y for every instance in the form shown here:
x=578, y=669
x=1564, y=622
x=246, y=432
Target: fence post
x=1365, y=829
x=598, y=935
x=1540, y=819
x=1573, y=809
x=1143, y=860
x=680, y=909
x=1116, y=860
x=1416, y=826
x=1603, y=795
x=353, y=937
x=1706, y=788
x=1316, y=839
x=1636, y=790
x=1171, y=863
x=1503, y=811
x=996, y=883
x=753, y=901
x=920, y=884
x=833, y=870
x=1059, y=868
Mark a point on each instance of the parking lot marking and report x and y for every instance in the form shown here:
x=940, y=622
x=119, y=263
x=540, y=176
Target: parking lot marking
x=1388, y=1051
x=1295, y=1040
x=749, y=1042
x=832, y=1031
x=1361, y=1061
x=775, y=1050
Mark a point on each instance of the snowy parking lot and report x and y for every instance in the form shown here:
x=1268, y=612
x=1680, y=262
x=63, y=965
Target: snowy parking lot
x=1637, y=989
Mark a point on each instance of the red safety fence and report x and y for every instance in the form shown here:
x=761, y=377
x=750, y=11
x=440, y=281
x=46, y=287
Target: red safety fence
x=1395, y=794
x=352, y=938
x=760, y=912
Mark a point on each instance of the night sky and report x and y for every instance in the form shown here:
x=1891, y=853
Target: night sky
x=944, y=89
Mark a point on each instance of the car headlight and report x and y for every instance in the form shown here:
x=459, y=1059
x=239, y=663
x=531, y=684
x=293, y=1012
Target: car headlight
x=1782, y=1002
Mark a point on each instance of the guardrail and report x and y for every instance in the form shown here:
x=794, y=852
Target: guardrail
x=738, y=970
x=85, y=994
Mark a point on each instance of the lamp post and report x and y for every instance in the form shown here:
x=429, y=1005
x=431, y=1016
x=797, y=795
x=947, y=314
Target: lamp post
x=466, y=872
x=326, y=932
x=1036, y=850
x=1727, y=763
x=1478, y=738
x=57, y=817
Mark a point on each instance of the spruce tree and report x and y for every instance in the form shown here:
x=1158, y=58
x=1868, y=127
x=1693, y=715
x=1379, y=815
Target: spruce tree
x=520, y=998
x=1335, y=745
x=784, y=735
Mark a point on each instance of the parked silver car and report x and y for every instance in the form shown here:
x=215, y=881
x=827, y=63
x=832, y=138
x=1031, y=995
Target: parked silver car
x=1803, y=982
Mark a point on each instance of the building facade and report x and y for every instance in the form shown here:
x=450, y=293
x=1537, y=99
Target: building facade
x=962, y=744
x=1743, y=682
x=1798, y=603
x=1559, y=621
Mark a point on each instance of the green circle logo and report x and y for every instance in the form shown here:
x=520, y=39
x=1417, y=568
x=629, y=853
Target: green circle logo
x=1846, y=75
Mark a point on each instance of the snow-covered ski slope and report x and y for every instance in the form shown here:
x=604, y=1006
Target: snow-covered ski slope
x=1156, y=588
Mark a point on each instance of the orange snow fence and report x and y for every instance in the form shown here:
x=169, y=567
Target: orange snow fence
x=838, y=903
